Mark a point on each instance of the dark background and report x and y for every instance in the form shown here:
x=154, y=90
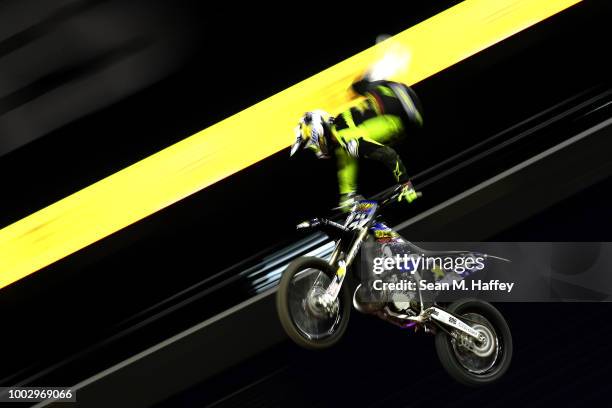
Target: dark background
x=185, y=66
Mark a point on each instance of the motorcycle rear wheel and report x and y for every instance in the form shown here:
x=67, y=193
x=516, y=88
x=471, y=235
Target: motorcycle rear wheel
x=306, y=277
x=486, y=362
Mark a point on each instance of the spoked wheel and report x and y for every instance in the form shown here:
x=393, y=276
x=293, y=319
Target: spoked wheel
x=306, y=320
x=476, y=362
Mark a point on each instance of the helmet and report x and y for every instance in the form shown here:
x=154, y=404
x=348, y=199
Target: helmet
x=310, y=133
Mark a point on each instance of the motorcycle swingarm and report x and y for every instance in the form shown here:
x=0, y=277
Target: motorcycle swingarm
x=448, y=319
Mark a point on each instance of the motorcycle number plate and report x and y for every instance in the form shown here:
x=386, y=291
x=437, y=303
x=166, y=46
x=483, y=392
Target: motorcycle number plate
x=361, y=214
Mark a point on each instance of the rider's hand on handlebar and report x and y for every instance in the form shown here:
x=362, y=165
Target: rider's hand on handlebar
x=408, y=193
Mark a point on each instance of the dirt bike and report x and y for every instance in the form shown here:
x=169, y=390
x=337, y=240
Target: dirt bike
x=472, y=339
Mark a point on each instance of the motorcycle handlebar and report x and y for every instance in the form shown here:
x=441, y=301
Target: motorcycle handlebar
x=384, y=198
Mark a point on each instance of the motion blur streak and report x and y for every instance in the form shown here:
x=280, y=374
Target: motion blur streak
x=251, y=135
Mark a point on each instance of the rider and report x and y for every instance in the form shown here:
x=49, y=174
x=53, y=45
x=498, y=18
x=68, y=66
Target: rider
x=389, y=111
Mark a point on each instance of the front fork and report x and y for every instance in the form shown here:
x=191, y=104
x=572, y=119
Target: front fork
x=337, y=258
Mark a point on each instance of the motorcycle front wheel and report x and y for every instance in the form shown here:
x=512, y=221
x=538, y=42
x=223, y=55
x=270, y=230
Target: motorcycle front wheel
x=304, y=321
x=476, y=363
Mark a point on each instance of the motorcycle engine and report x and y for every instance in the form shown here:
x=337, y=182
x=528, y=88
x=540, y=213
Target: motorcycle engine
x=404, y=301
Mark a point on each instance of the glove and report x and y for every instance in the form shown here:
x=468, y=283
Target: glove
x=408, y=193
x=347, y=201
